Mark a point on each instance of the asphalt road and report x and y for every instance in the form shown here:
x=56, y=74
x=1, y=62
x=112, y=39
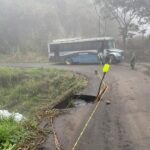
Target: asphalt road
x=123, y=125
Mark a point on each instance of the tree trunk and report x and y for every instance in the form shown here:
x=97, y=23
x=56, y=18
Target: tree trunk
x=124, y=42
x=124, y=37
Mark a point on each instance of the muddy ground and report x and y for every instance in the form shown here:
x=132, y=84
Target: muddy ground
x=123, y=125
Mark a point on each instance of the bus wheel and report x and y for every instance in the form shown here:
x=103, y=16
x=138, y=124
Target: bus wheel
x=68, y=61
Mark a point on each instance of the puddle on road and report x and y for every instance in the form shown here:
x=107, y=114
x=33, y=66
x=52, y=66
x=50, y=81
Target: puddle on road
x=76, y=101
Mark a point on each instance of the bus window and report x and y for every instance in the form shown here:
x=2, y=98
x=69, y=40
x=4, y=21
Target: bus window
x=56, y=53
x=101, y=47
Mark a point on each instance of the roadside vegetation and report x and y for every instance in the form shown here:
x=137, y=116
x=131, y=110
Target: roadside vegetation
x=29, y=91
x=32, y=57
x=11, y=132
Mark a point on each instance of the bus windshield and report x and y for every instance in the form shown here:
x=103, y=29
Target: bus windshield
x=111, y=44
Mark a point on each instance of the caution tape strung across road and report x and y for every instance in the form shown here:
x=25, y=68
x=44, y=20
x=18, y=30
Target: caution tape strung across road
x=90, y=117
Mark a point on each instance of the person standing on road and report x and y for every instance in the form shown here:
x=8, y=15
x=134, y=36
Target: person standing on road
x=101, y=54
x=132, y=61
x=101, y=58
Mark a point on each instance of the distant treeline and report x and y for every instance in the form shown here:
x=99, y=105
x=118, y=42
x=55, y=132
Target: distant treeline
x=27, y=25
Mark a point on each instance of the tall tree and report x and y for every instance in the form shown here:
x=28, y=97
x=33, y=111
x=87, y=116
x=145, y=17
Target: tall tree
x=143, y=10
x=124, y=12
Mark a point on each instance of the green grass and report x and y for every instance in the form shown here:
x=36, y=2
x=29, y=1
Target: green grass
x=27, y=90
x=24, y=57
x=11, y=133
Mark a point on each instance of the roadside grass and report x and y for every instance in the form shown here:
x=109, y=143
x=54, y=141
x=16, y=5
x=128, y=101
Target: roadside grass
x=29, y=91
x=11, y=132
x=34, y=57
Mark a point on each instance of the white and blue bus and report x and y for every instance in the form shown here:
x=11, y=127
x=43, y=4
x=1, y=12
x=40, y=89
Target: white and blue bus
x=93, y=50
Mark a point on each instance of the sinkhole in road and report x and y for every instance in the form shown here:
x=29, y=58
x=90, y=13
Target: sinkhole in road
x=76, y=101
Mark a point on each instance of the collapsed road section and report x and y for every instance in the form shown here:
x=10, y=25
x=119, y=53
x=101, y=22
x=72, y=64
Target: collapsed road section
x=79, y=109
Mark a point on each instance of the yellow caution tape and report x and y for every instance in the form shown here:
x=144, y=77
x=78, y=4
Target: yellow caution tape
x=87, y=123
x=105, y=70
